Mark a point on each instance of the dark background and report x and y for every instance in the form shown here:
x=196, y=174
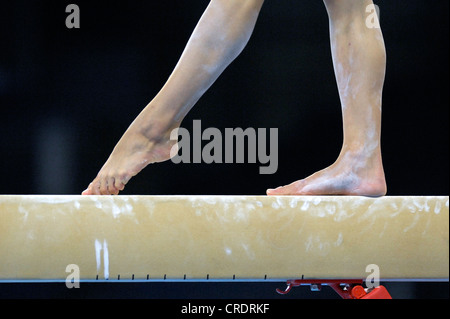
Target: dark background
x=67, y=95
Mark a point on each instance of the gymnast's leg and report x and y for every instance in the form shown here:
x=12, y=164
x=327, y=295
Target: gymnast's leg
x=359, y=60
x=221, y=34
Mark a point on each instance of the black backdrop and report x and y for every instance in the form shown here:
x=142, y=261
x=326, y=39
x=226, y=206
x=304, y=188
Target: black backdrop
x=67, y=95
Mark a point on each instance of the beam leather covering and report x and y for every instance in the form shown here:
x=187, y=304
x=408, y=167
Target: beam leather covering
x=223, y=237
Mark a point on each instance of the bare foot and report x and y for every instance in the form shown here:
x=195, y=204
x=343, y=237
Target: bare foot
x=349, y=175
x=139, y=146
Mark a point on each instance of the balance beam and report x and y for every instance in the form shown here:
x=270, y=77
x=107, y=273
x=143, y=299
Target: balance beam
x=223, y=237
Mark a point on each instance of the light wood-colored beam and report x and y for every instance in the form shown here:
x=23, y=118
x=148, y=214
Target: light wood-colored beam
x=223, y=237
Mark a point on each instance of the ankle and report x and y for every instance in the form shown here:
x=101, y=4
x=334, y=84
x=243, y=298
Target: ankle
x=361, y=150
x=362, y=158
x=155, y=125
